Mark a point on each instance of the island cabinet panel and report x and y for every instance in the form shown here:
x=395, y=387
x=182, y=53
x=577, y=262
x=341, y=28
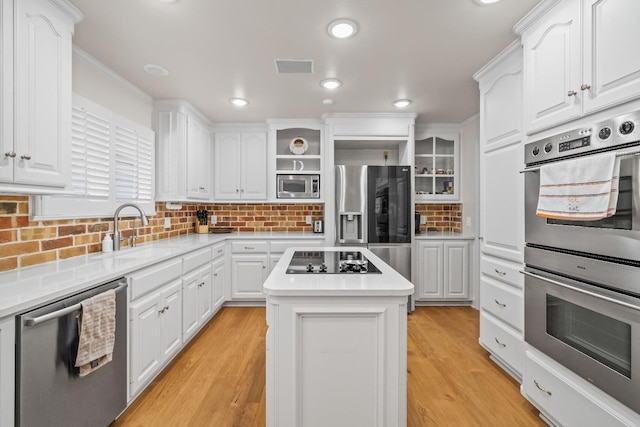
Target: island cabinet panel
x=336, y=361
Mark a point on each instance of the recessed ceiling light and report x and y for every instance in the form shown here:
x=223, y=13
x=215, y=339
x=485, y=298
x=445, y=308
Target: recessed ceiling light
x=168, y=1
x=331, y=83
x=401, y=103
x=328, y=101
x=342, y=28
x=156, y=70
x=239, y=102
x=485, y=2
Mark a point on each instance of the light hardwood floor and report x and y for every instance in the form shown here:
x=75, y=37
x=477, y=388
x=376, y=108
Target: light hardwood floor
x=219, y=379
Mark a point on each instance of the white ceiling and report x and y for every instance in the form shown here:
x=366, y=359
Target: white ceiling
x=424, y=50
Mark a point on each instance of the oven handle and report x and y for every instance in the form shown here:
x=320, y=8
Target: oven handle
x=32, y=321
x=582, y=291
x=622, y=154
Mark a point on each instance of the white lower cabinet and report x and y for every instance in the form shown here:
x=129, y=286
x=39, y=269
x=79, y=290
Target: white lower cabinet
x=197, y=300
x=218, y=283
x=442, y=270
x=505, y=345
x=249, y=269
x=565, y=399
x=155, y=332
x=7, y=370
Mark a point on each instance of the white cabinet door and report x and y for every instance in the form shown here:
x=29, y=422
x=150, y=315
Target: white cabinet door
x=612, y=63
x=190, y=287
x=205, y=295
x=430, y=271
x=227, y=161
x=253, y=155
x=145, y=337
x=42, y=133
x=248, y=275
x=553, y=68
x=218, y=280
x=171, y=319
x=198, y=160
x=502, y=201
x=240, y=166
x=6, y=92
x=456, y=270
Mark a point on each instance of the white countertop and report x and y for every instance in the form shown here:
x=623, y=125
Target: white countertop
x=389, y=283
x=26, y=288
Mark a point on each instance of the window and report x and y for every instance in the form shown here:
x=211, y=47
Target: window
x=112, y=162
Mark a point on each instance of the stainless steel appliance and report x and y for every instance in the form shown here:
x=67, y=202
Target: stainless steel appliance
x=300, y=186
x=582, y=278
x=330, y=262
x=49, y=391
x=373, y=209
x=617, y=236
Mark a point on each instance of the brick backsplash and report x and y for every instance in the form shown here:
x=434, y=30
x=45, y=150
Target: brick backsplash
x=24, y=242
x=443, y=217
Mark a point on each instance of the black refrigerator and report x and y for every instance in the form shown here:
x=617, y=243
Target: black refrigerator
x=373, y=209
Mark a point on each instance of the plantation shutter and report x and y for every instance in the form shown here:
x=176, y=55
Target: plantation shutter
x=89, y=154
x=133, y=164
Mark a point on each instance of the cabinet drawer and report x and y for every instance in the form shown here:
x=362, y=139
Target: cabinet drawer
x=281, y=246
x=502, y=270
x=502, y=343
x=249, y=247
x=195, y=259
x=503, y=301
x=148, y=279
x=563, y=401
x=217, y=250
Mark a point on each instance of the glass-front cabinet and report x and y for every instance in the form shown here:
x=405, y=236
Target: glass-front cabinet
x=436, y=168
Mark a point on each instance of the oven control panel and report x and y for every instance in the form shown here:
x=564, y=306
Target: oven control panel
x=606, y=135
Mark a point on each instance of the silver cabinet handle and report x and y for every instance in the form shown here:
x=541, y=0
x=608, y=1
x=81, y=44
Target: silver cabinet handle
x=215, y=274
x=585, y=86
x=11, y=154
x=237, y=191
x=541, y=389
x=501, y=305
x=25, y=157
x=499, y=343
x=220, y=251
x=264, y=266
x=249, y=248
x=572, y=93
x=501, y=273
x=242, y=191
x=481, y=238
x=165, y=308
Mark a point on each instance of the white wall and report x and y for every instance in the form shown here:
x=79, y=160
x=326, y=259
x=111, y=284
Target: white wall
x=469, y=140
x=98, y=83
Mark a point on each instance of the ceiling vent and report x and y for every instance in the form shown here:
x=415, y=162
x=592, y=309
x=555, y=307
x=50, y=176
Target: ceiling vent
x=297, y=66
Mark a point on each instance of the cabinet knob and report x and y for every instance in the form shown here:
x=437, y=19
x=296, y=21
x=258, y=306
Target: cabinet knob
x=572, y=93
x=242, y=191
x=11, y=154
x=237, y=191
x=585, y=86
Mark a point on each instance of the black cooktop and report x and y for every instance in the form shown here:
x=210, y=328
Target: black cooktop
x=330, y=262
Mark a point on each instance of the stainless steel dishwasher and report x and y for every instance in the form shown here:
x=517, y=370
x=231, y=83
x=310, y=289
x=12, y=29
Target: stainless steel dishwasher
x=49, y=391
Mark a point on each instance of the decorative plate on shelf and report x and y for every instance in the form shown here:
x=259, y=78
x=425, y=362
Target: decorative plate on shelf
x=298, y=145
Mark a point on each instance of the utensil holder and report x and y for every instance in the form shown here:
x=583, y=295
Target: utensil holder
x=202, y=229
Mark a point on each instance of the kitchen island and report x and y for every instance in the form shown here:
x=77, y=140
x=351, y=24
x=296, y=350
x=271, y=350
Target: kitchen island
x=336, y=344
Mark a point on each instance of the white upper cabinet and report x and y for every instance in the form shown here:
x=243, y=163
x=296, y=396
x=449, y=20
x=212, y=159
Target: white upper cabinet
x=184, y=152
x=579, y=57
x=35, y=85
x=437, y=168
x=240, y=165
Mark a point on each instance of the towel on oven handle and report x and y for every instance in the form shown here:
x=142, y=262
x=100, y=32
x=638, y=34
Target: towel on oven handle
x=97, y=326
x=583, y=189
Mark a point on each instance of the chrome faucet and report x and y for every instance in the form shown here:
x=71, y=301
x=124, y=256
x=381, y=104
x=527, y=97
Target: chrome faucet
x=116, y=233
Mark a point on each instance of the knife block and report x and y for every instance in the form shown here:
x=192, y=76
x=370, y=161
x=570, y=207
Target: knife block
x=202, y=229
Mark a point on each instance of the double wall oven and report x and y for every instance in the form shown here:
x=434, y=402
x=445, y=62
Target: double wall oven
x=582, y=278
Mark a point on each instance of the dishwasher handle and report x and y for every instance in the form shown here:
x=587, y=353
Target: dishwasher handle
x=32, y=321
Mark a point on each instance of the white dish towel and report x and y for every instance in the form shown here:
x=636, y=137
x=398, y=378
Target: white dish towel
x=583, y=189
x=97, y=325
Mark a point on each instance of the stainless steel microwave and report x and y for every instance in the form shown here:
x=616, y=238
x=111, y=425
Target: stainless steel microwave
x=298, y=186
